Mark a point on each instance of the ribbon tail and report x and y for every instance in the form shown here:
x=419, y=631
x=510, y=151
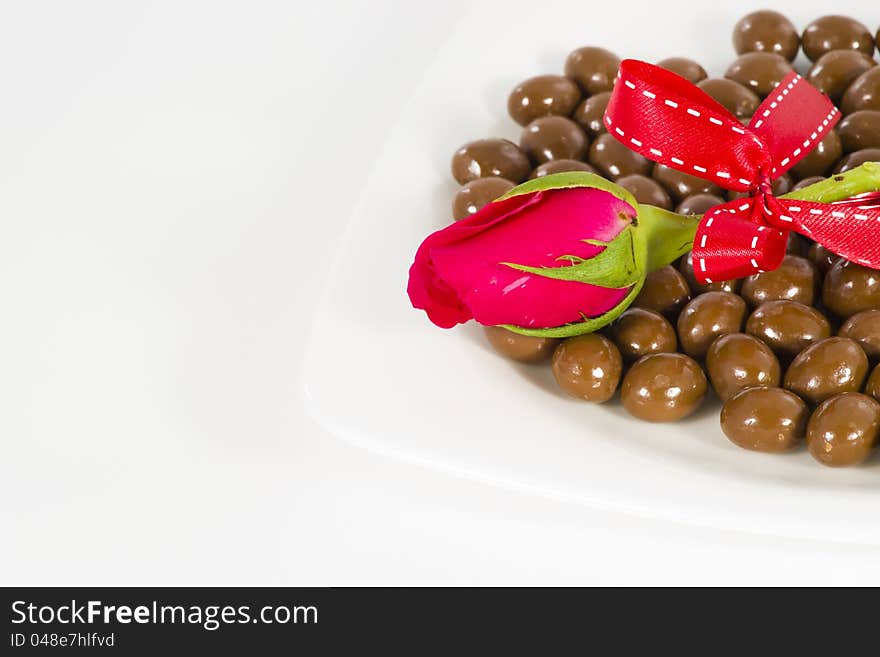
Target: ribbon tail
x=847, y=229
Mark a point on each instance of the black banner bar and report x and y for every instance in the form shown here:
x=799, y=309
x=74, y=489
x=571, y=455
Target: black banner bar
x=355, y=621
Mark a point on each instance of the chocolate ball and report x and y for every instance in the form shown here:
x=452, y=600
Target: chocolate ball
x=686, y=68
x=788, y=327
x=797, y=244
x=850, y=288
x=588, y=367
x=639, y=332
x=663, y=388
x=834, y=71
x=521, y=348
x=490, y=157
x=759, y=71
x=827, y=368
x=474, y=195
x=766, y=31
x=697, y=204
x=819, y=160
x=737, y=361
x=665, y=291
x=543, y=95
x=860, y=130
x=646, y=190
x=739, y=100
x=796, y=279
x=708, y=317
x=681, y=185
x=561, y=166
x=782, y=185
x=591, y=112
x=686, y=267
x=765, y=419
x=835, y=33
x=857, y=158
x=843, y=430
x=806, y=182
x=615, y=160
x=864, y=328
x=553, y=138
x=872, y=387
x=822, y=258
x=863, y=93
x=594, y=69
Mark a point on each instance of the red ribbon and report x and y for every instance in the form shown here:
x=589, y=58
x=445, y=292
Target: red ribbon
x=669, y=120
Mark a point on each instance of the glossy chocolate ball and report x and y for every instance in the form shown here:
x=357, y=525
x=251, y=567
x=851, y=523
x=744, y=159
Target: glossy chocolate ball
x=822, y=258
x=681, y=185
x=759, y=71
x=686, y=267
x=543, y=95
x=872, y=387
x=788, y=327
x=843, y=430
x=490, y=157
x=697, y=204
x=796, y=279
x=553, y=138
x=590, y=113
x=850, y=288
x=521, y=348
x=766, y=31
x=474, y=195
x=686, y=68
x=819, y=160
x=708, y=317
x=859, y=130
x=765, y=419
x=797, y=244
x=663, y=388
x=561, y=166
x=863, y=93
x=646, y=190
x=806, y=182
x=588, y=367
x=594, y=69
x=864, y=328
x=827, y=368
x=639, y=332
x=739, y=100
x=665, y=291
x=835, y=71
x=615, y=160
x=857, y=159
x=835, y=33
x=737, y=361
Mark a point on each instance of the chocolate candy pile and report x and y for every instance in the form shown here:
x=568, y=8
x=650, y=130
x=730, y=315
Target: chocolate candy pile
x=789, y=352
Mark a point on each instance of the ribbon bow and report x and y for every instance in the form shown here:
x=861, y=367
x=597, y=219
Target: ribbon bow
x=669, y=120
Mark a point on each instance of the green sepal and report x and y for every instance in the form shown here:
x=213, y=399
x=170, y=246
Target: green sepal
x=589, y=325
x=616, y=266
x=568, y=179
x=669, y=235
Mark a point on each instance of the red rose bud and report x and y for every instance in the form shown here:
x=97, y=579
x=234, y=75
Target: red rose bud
x=557, y=256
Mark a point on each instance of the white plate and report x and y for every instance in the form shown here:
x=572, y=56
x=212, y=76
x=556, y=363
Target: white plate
x=381, y=376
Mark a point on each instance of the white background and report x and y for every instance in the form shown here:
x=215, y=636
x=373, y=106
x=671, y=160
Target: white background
x=174, y=177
